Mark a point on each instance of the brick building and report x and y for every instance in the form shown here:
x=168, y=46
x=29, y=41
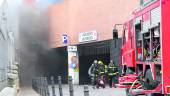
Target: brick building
x=73, y=17
x=88, y=24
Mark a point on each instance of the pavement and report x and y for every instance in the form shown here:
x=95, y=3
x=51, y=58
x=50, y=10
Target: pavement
x=27, y=91
x=8, y=91
x=79, y=91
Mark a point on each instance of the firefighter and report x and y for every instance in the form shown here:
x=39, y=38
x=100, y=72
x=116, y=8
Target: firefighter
x=102, y=71
x=93, y=73
x=102, y=68
x=112, y=73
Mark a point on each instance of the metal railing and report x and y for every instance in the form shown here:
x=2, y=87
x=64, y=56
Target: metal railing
x=41, y=86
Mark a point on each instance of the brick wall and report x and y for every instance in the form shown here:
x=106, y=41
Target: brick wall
x=75, y=16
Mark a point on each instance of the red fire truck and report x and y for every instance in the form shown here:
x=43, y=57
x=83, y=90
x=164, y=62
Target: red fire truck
x=145, y=54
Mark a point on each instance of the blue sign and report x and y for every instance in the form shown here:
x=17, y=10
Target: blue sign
x=65, y=39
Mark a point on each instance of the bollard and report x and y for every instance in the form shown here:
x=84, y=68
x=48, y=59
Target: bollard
x=38, y=85
x=53, y=86
x=46, y=87
x=71, y=87
x=35, y=80
x=86, y=90
x=60, y=85
x=42, y=86
x=41, y=91
x=33, y=84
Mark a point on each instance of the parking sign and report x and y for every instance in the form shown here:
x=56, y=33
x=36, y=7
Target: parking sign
x=65, y=39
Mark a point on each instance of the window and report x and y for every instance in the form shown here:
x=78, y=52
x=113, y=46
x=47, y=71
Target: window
x=131, y=34
x=156, y=47
x=125, y=36
x=146, y=2
x=138, y=42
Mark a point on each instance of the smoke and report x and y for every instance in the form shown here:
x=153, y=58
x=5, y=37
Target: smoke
x=33, y=43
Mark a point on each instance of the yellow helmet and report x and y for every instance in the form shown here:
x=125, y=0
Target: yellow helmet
x=100, y=62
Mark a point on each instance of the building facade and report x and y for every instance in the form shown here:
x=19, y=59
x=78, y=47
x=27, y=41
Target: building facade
x=8, y=38
x=88, y=24
x=74, y=17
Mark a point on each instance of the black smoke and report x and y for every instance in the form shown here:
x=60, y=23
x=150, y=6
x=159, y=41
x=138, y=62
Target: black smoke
x=33, y=43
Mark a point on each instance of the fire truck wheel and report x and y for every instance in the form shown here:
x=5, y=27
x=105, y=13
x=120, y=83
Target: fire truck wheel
x=149, y=83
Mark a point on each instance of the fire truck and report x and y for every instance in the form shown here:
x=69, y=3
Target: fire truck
x=145, y=54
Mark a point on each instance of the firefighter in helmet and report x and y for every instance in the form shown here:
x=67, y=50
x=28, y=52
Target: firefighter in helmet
x=102, y=68
x=93, y=73
x=112, y=73
x=102, y=72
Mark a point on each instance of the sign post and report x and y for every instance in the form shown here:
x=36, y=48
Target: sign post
x=73, y=64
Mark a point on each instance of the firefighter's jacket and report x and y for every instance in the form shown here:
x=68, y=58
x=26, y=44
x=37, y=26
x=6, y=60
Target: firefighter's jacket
x=102, y=69
x=112, y=70
x=92, y=70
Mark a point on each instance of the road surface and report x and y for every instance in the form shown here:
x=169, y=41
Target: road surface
x=79, y=91
x=27, y=91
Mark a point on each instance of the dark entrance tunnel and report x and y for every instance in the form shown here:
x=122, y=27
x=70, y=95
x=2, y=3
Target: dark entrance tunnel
x=54, y=63
x=47, y=63
x=90, y=52
x=85, y=63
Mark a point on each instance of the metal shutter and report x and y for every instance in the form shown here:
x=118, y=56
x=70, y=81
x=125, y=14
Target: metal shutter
x=146, y=21
x=155, y=16
x=146, y=26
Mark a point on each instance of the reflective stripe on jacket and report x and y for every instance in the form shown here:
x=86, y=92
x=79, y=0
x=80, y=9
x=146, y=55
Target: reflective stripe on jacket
x=112, y=70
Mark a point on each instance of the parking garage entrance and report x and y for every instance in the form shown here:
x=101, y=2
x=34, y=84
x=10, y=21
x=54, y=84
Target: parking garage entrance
x=90, y=52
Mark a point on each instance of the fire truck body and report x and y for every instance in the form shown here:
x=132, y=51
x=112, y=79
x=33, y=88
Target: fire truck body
x=165, y=28
x=145, y=55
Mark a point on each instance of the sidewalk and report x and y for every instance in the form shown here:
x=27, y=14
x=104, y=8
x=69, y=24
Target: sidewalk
x=79, y=91
x=8, y=91
x=27, y=91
